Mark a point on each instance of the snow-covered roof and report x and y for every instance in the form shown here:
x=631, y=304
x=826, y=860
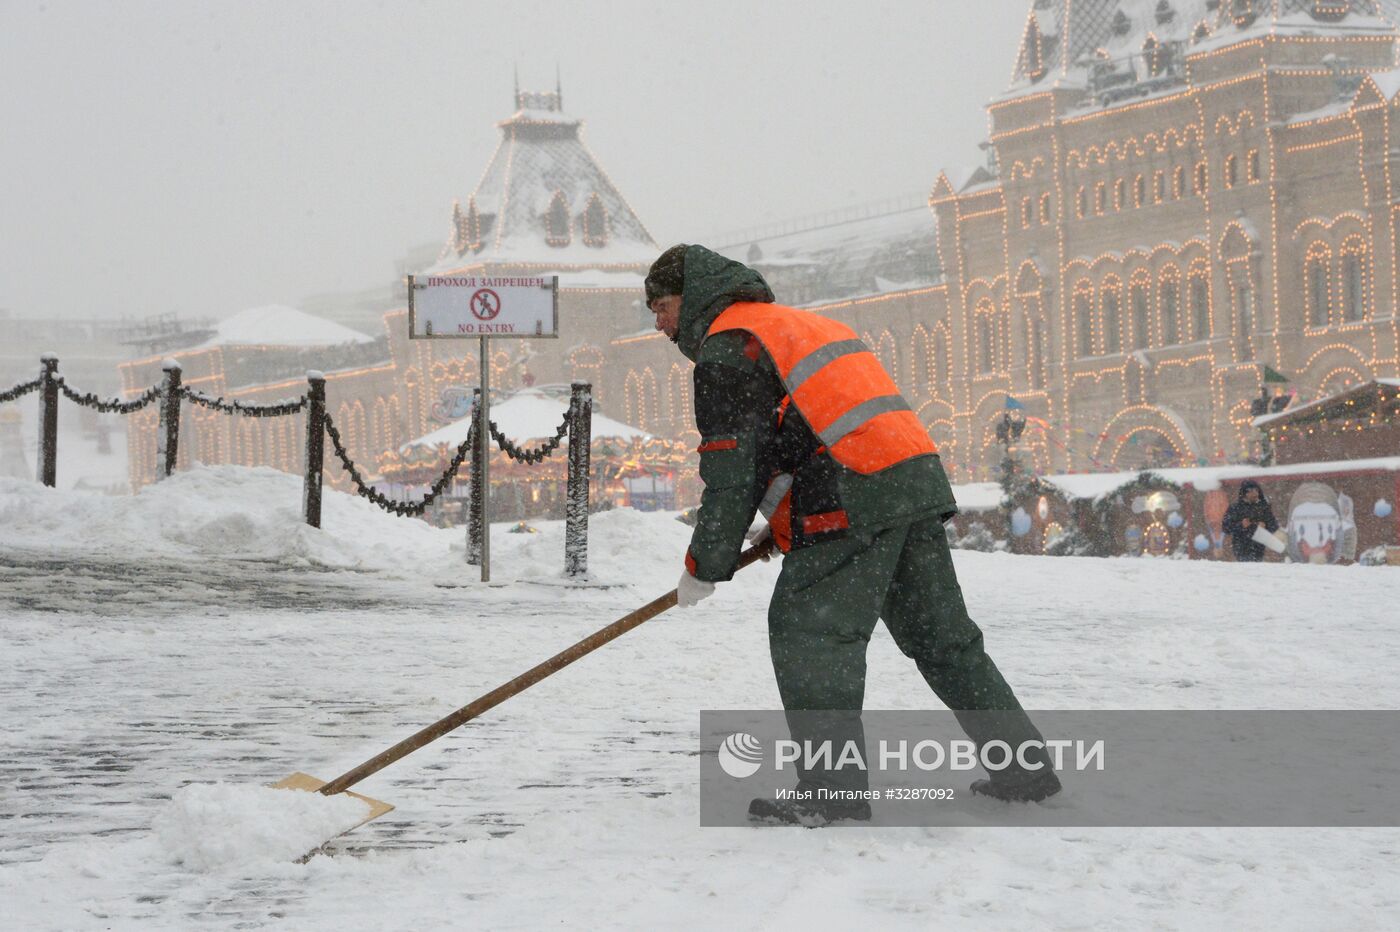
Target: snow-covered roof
x=888, y=252
x=598, y=279
x=530, y=414
x=1208, y=478
x=279, y=325
x=1064, y=39
x=1319, y=403
x=544, y=199
x=978, y=496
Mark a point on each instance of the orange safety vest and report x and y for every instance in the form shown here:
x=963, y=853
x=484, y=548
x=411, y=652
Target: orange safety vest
x=840, y=389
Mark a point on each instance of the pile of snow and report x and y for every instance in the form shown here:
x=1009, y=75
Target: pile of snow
x=214, y=826
x=279, y=325
x=242, y=513
x=215, y=511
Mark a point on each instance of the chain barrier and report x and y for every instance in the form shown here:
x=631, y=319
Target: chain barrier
x=277, y=409
x=112, y=406
x=537, y=455
x=20, y=390
x=402, y=509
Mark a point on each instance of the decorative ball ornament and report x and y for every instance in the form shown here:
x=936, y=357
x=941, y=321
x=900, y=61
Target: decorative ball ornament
x=1020, y=522
x=1202, y=543
x=1175, y=520
x=1383, y=508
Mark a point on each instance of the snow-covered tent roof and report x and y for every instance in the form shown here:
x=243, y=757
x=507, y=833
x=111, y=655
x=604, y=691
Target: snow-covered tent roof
x=279, y=325
x=1063, y=37
x=1208, y=478
x=545, y=199
x=529, y=414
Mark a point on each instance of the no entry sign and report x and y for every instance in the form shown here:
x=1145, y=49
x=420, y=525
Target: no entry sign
x=455, y=306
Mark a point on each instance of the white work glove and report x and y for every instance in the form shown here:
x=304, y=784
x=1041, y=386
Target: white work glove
x=691, y=591
x=760, y=536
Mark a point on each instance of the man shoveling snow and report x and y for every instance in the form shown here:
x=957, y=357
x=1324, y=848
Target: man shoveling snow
x=798, y=419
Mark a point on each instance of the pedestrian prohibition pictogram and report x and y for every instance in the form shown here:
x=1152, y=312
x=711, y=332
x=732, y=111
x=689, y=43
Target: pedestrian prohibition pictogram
x=486, y=304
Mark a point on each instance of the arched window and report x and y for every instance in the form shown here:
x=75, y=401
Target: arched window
x=1200, y=304
x=942, y=361
x=1081, y=203
x=557, y=226
x=1120, y=194
x=595, y=222
x=1254, y=170
x=1232, y=171
x=1139, y=191
x=1037, y=353
x=678, y=388
x=1045, y=209
x=1243, y=297
x=1159, y=187
x=1169, y=304
x=1353, y=279
x=1139, y=302
x=920, y=361
x=1100, y=196
x=1084, y=318
x=1112, y=298
x=986, y=336
x=1200, y=189
x=1154, y=56
x=1025, y=213
x=1317, y=284
x=1179, y=183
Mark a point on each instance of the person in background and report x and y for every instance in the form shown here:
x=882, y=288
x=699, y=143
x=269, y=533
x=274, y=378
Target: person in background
x=1249, y=512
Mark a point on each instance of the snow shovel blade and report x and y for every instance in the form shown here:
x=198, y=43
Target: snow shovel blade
x=309, y=784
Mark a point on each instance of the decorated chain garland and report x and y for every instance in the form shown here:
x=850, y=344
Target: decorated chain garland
x=113, y=406
x=278, y=409
x=537, y=455
x=20, y=390
x=403, y=509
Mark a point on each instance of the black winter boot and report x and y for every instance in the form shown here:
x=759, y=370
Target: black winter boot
x=809, y=812
x=1042, y=786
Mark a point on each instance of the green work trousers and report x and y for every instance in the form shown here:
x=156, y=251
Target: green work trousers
x=825, y=605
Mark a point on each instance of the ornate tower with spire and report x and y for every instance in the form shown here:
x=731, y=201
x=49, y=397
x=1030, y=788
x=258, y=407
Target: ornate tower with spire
x=544, y=203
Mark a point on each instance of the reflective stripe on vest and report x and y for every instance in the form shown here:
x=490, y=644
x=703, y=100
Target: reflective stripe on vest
x=837, y=383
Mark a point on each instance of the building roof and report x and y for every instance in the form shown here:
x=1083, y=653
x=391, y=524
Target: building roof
x=866, y=253
x=544, y=201
x=1333, y=405
x=279, y=325
x=1079, y=42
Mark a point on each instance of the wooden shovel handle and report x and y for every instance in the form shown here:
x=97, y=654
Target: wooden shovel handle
x=521, y=683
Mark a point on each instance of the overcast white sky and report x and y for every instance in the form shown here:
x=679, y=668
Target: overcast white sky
x=205, y=157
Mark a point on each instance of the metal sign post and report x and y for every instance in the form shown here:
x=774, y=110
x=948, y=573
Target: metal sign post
x=483, y=434
x=465, y=305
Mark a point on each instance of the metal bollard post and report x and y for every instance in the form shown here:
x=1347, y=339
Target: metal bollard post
x=474, y=499
x=576, y=504
x=315, y=447
x=48, y=421
x=168, y=428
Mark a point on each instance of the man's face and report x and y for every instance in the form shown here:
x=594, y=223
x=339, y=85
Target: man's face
x=1251, y=495
x=668, y=315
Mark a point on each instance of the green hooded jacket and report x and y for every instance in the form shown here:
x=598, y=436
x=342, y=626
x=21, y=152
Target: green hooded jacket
x=737, y=398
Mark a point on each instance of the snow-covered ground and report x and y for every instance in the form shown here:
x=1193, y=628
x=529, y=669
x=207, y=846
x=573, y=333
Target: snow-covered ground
x=196, y=633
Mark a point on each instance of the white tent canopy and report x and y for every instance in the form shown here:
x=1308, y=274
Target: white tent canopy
x=529, y=414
